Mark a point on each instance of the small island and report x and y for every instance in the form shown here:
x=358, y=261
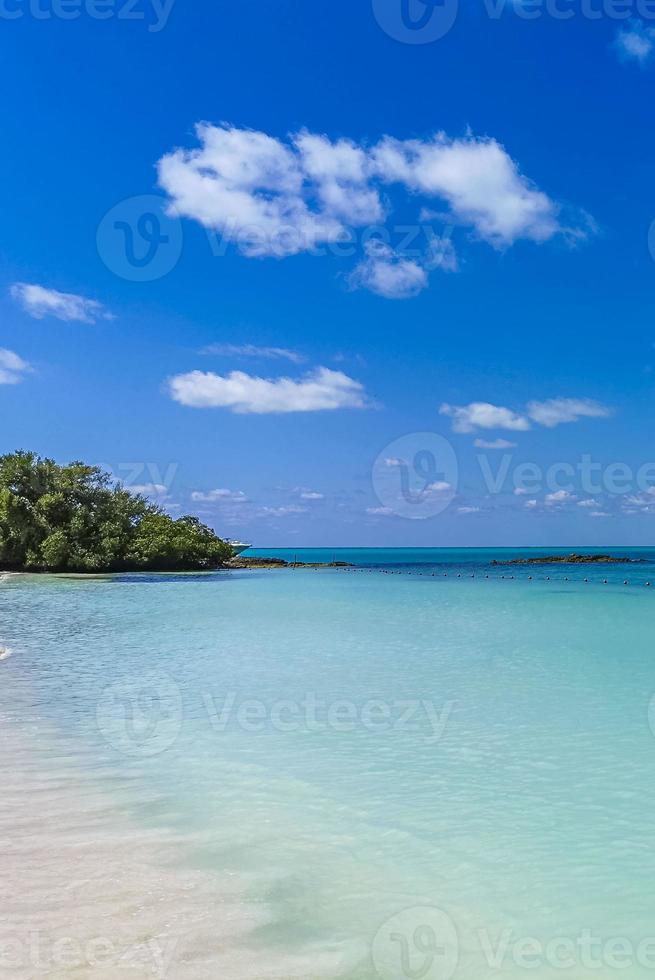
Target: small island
x=245, y=561
x=75, y=518
x=573, y=559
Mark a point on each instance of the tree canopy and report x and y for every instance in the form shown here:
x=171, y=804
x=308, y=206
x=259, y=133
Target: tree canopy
x=76, y=518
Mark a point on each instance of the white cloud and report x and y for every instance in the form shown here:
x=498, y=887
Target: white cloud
x=219, y=496
x=530, y=504
x=520, y=491
x=558, y=497
x=494, y=444
x=589, y=502
x=341, y=171
x=394, y=461
x=386, y=274
x=12, y=367
x=599, y=513
x=468, y=510
x=251, y=187
x=441, y=254
x=635, y=42
x=242, y=393
x=287, y=511
x=39, y=302
x=148, y=489
x=279, y=197
x=483, y=415
x=251, y=350
x=303, y=493
x=477, y=179
x=555, y=411
x=435, y=491
x=644, y=501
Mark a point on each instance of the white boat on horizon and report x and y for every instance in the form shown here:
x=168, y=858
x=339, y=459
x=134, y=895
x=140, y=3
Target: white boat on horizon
x=238, y=547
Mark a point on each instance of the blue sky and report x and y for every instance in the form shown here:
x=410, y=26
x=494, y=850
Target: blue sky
x=370, y=243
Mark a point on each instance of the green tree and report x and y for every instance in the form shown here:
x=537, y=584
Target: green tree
x=74, y=518
x=185, y=543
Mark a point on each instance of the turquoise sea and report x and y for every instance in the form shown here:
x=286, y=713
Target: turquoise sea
x=332, y=773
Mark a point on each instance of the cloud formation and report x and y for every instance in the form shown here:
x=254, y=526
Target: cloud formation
x=320, y=390
x=550, y=413
x=558, y=497
x=219, y=496
x=39, y=302
x=148, y=489
x=483, y=415
x=644, y=501
x=477, y=179
x=12, y=367
x=287, y=510
x=387, y=274
x=635, y=42
x=251, y=350
x=494, y=444
x=280, y=197
x=555, y=411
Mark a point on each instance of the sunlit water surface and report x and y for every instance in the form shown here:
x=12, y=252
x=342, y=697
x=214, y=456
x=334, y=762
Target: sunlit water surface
x=329, y=774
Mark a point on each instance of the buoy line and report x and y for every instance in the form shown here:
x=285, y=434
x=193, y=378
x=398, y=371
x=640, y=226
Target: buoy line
x=497, y=578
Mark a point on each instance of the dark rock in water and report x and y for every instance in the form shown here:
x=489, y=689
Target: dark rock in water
x=242, y=562
x=569, y=560
x=251, y=562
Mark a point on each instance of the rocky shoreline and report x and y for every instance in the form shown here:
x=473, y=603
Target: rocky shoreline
x=242, y=562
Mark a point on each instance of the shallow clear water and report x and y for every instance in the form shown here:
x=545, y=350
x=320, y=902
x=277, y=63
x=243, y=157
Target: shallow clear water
x=324, y=773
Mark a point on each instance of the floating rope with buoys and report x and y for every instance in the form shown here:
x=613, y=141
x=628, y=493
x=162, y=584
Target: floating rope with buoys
x=498, y=578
